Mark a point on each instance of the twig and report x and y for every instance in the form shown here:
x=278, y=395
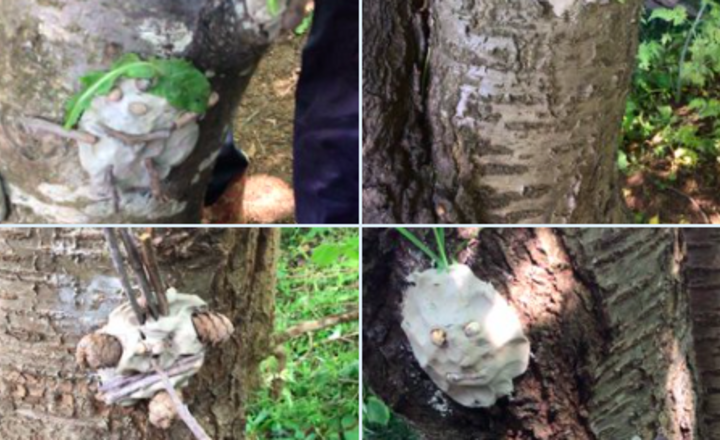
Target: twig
x=184, y=120
x=155, y=181
x=136, y=265
x=277, y=383
x=110, y=177
x=118, y=389
x=693, y=201
x=36, y=124
x=312, y=326
x=120, y=269
x=136, y=138
x=153, y=270
x=119, y=383
x=182, y=409
x=350, y=338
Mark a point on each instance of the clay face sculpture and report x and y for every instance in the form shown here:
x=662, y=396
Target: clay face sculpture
x=166, y=340
x=464, y=335
x=131, y=111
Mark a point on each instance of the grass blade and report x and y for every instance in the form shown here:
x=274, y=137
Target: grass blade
x=420, y=245
x=440, y=238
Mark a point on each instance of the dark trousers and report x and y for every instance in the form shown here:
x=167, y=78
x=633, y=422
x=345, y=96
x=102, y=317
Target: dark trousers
x=326, y=140
x=326, y=149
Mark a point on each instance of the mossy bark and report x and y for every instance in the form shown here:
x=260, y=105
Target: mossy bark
x=47, y=45
x=610, y=328
x=495, y=111
x=57, y=285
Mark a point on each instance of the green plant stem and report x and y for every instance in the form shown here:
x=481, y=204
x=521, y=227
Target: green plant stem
x=686, y=46
x=440, y=237
x=420, y=245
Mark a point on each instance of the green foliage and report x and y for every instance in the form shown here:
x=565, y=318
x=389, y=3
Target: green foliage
x=317, y=276
x=273, y=7
x=441, y=261
x=304, y=25
x=176, y=80
x=379, y=423
x=677, y=53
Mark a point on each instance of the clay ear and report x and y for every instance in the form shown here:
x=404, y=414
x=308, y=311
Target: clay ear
x=98, y=350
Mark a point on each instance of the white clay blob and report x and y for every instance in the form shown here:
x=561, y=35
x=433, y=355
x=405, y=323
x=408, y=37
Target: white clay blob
x=171, y=337
x=127, y=160
x=464, y=335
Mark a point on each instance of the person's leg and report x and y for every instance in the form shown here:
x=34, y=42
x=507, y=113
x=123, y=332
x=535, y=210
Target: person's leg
x=326, y=174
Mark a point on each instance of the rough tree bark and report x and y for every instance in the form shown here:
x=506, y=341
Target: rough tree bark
x=609, y=322
x=702, y=270
x=45, y=46
x=57, y=285
x=495, y=111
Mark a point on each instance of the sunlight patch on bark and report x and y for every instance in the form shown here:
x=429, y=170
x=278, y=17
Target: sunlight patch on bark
x=562, y=6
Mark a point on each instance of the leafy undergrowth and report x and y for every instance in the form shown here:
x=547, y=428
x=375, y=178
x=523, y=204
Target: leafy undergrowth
x=379, y=423
x=317, y=277
x=671, y=131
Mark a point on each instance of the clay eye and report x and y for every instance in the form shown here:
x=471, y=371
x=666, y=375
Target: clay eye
x=438, y=337
x=472, y=329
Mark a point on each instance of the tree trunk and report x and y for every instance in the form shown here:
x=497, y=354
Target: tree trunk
x=46, y=46
x=702, y=270
x=495, y=111
x=57, y=285
x=608, y=318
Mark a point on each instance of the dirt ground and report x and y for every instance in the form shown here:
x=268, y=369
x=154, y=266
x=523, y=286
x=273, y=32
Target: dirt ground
x=264, y=131
x=692, y=198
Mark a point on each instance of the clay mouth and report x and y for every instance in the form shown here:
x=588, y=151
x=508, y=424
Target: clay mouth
x=468, y=378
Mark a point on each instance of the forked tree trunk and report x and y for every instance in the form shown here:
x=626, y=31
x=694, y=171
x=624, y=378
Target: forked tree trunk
x=45, y=46
x=57, y=285
x=495, y=111
x=608, y=318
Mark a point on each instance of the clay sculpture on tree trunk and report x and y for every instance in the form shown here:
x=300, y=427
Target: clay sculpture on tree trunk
x=142, y=157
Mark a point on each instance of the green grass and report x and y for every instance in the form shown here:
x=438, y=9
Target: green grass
x=317, y=277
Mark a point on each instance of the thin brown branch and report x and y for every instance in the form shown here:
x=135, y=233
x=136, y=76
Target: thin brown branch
x=155, y=181
x=153, y=270
x=123, y=386
x=277, y=383
x=137, y=267
x=182, y=409
x=36, y=124
x=120, y=269
x=184, y=120
x=313, y=326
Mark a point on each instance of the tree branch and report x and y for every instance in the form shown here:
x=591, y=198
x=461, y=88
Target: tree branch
x=182, y=409
x=136, y=265
x=123, y=386
x=153, y=270
x=313, y=326
x=36, y=124
x=120, y=269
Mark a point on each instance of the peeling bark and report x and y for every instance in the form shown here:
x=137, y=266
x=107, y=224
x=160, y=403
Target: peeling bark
x=57, y=285
x=609, y=324
x=46, y=45
x=495, y=111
